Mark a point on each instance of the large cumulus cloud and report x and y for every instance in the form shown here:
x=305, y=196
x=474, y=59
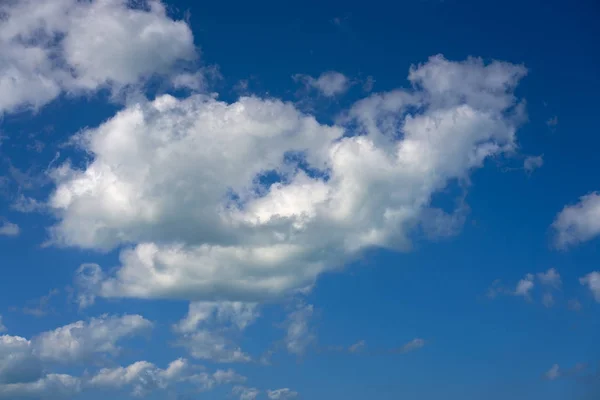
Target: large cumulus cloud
x=251, y=200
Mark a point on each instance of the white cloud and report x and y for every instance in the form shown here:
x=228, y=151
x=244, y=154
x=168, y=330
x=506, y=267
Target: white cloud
x=9, y=229
x=413, y=345
x=329, y=83
x=141, y=376
x=206, y=381
x=548, y=300
x=53, y=46
x=88, y=278
x=51, y=386
x=357, y=347
x=82, y=340
x=227, y=312
x=368, y=84
x=17, y=361
x=532, y=163
x=209, y=345
x=592, y=281
x=579, y=222
x=553, y=373
x=228, y=376
x=524, y=286
x=550, y=278
x=299, y=335
x=282, y=394
x=155, y=186
x=27, y=204
x=245, y=393
x=204, y=330
x=2, y=327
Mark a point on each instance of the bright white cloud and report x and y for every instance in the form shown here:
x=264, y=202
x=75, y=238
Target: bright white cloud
x=177, y=181
x=81, y=340
x=329, y=83
x=281, y=394
x=579, y=222
x=53, y=46
x=299, y=335
x=592, y=281
x=9, y=229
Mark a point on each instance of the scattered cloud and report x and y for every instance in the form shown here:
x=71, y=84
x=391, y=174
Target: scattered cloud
x=241, y=87
x=299, y=335
x=357, y=347
x=340, y=21
x=553, y=373
x=205, y=330
x=26, y=204
x=232, y=204
x=413, y=345
x=9, y=229
x=245, y=393
x=578, y=223
x=88, y=278
x=329, y=84
x=548, y=300
x=592, y=281
x=496, y=288
x=282, y=394
x=556, y=372
x=141, y=378
x=368, y=84
x=41, y=307
x=532, y=163
x=552, y=122
x=209, y=345
x=550, y=278
x=51, y=386
x=524, y=286
x=82, y=340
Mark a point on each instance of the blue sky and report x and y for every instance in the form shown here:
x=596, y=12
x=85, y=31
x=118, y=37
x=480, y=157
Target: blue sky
x=264, y=201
